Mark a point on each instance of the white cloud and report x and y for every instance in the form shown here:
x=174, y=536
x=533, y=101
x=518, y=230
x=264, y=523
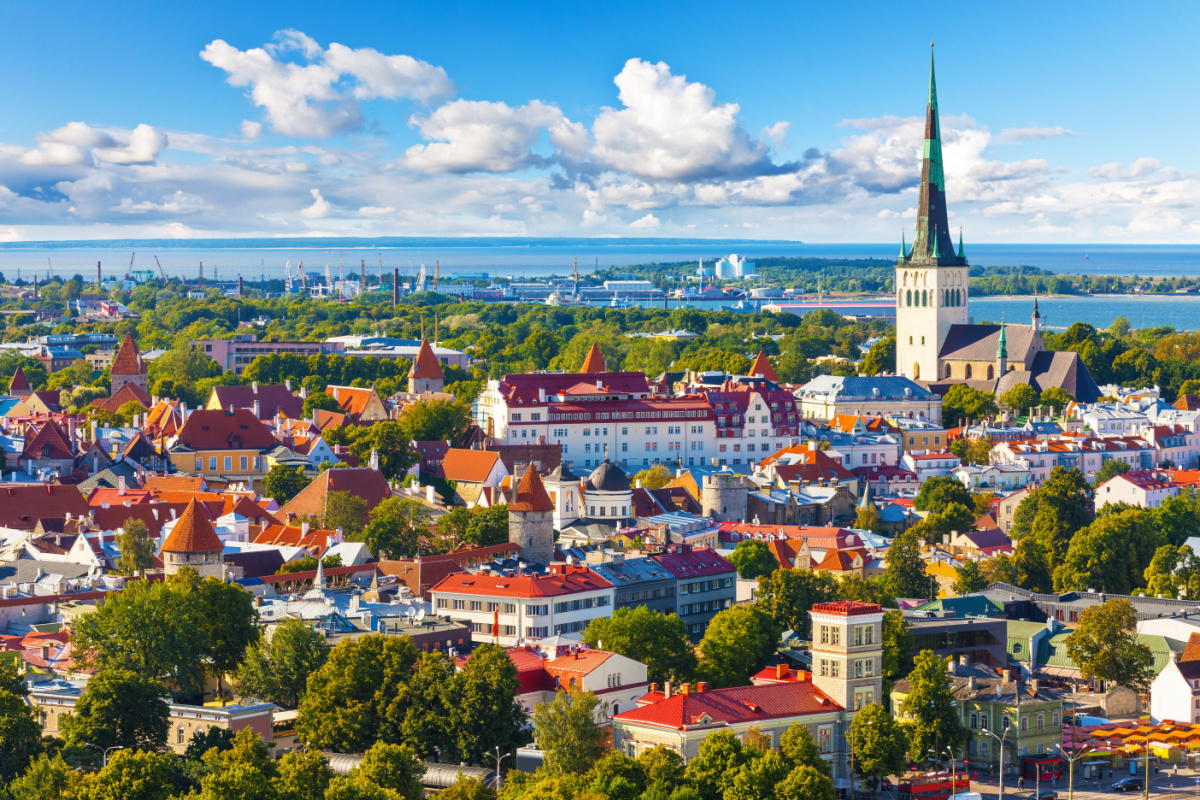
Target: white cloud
x=376, y=211
x=320, y=207
x=251, y=129
x=474, y=136
x=143, y=146
x=646, y=223
x=79, y=134
x=54, y=154
x=670, y=129
x=777, y=133
x=295, y=166
x=1019, y=135
x=307, y=100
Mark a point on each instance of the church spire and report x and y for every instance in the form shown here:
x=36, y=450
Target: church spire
x=1002, y=348
x=903, y=246
x=961, y=254
x=932, y=241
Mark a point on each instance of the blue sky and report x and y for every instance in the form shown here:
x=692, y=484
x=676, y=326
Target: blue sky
x=1064, y=122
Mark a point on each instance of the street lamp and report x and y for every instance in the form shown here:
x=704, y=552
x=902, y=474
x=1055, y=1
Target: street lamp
x=1000, y=739
x=499, y=758
x=953, y=774
x=1080, y=752
x=103, y=752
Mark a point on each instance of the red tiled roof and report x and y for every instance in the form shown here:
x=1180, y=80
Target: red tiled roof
x=470, y=466
x=531, y=493
x=129, y=393
x=271, y=399
x=352, y=399
x=425, y=365
x=847, y=608
x=19, y=383
x=838, y=560
x=583, y=661
x=155, y=515
x=49, y=434
x=193, y=533
x=573, y=580
x=594, y=361
x=732, y=706
x=128, y=360
x=694, y=563
x=369, y=484
x=1192, y=651
x=22, y=505
x=173, y=483
x=763, y=367
x=216, y=429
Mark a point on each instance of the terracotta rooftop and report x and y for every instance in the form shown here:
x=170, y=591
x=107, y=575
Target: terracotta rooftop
x=470, y=466
x=531, y=493
x=426, y=364
x=193, y=533
x=594, y=361
x=19, y=383
x=271, y=398
x=763, y=367
x=216, y=429
x=128, y=360
x=572, y=581
x=740, y=704
x=369, y=484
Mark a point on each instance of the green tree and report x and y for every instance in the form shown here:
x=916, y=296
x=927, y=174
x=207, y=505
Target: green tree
x=656, y=640
x=1111, y=469
x=128, y=411
x=320, y=401
x=349, y=699
x=136, y=546
x=394, y=767
x=283, y=482
x=964, y=403
x=788, y=595
x=309, y=564
x=899, y=644
x=905, y=568
x=758, y=778
x=487, y=526
x=396, y=528
x=49, y=778
x=800, y=749
x=566, y=731
x=152, y=629
x=453, y=526
x=1105, y=646
x=303, y=776
x=436, y=420
x=662, y=765
x=468, y=789
x=482, y=702
x=940, y=491
x=1056, y=398
x=1000, y=568
x=1019, y=399
x=655, y=477
x=119, y=708
x=1178, y=517
x=1112, y=553
x=868, y=518
x=230, y=620
x=880, y=745
x=346, y=512
x=208, y=739
x=881, y=357
x=1160, y=575
x=753, y=559
x=737, y=643
x=135, y=775
x=20, y=733
x=928, y=708
x=1054, y=512
x=238, y=782
x=969, y=579
x=806, y=783
x=711, y=773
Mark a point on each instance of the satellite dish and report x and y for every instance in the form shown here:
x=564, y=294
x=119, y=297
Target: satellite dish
x=410, y=612
x=420, y=614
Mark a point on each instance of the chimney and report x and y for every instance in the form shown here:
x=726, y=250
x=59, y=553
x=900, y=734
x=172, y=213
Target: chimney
x=667, y=690
x=1006, y=674
x=254, y=387
x=256, y=408
x=45, y=650
x=653, y=688
x=121, y=486
x=304, y=529
x=375, y=459
x=685, y=689
x=429, y=494
x=1033, y=686
x=701, y=687
x=782, y=670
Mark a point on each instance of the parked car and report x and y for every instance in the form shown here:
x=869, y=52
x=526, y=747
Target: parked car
x=1128, y=785
x=1044, y=794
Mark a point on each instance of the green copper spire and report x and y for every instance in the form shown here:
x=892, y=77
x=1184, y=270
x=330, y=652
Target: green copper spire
x=960, y=247
x=903, y=246
x=933, y=243
x=1002, y=348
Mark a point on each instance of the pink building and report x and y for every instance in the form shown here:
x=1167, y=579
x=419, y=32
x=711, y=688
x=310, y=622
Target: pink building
x=236, y=353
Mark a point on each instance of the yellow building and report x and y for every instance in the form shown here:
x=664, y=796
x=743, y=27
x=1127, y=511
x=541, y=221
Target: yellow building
x=227, y=445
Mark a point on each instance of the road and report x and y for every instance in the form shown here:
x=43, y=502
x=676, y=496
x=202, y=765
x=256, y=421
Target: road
x=1165, y=786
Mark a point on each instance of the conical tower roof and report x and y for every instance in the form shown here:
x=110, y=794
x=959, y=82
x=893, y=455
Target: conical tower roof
x=128, y=360
x=932, y=243
x=763, y=367
x=530, y=494
x=594, y=361
x=426, y=364
x=193, y=533
x=19, y=383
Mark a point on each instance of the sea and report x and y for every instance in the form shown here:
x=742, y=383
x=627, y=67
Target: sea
x=531, y=258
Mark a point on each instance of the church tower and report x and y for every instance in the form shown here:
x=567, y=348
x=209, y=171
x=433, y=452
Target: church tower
x=931, y=279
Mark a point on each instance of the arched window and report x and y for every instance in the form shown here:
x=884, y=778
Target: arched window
x=916, y=370
x=906, y=279
x=616, y=708
x=1054, y=718
x=922, y=341
x=983, y=721
x=967, y=372
x=1006, y=722
x=908, y=301
x=974, y=720
x=991, y=372
x=961, y=297
x=946, y=297
x=947, y=370
x=1025, y=723
x=572, y=684
x=924, y=298
x=1041, y=721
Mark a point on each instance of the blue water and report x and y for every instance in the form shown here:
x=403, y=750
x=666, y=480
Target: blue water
x=1182, y=312
x=530, y=258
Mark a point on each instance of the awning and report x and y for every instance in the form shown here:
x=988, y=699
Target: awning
x=1058, y=672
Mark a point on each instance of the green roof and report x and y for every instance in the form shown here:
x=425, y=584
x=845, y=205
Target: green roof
x=1053, y=650
x=1019, y=634
x=966, y=606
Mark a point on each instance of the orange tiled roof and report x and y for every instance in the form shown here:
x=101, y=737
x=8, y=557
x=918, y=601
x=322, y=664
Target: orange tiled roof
x=594, y=361
x=470, y=466
x=128, y=360
x=352, y=399
x=426, y=364
x=193, y=533
x=763, y=367
x=531, y=493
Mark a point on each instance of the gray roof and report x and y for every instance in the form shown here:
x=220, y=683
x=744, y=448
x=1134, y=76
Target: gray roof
x=631, y=571
x=980, y=342
x=876, y=387
x=25, y=570
x=109, y=478
x=1146, y=607
x=1061, y=369
x=608, y=477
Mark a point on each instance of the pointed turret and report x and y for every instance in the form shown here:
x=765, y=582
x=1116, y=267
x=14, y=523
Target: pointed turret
x=594, y=361
x=426, y=374
x=19, y=385
x=1037, y=317
x=128, y=366
x=762, y=368
x=1002, y=353
x=903, y=246
x=319, y=578
x=193, y=543
x=961, y=254
x=932, y=241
